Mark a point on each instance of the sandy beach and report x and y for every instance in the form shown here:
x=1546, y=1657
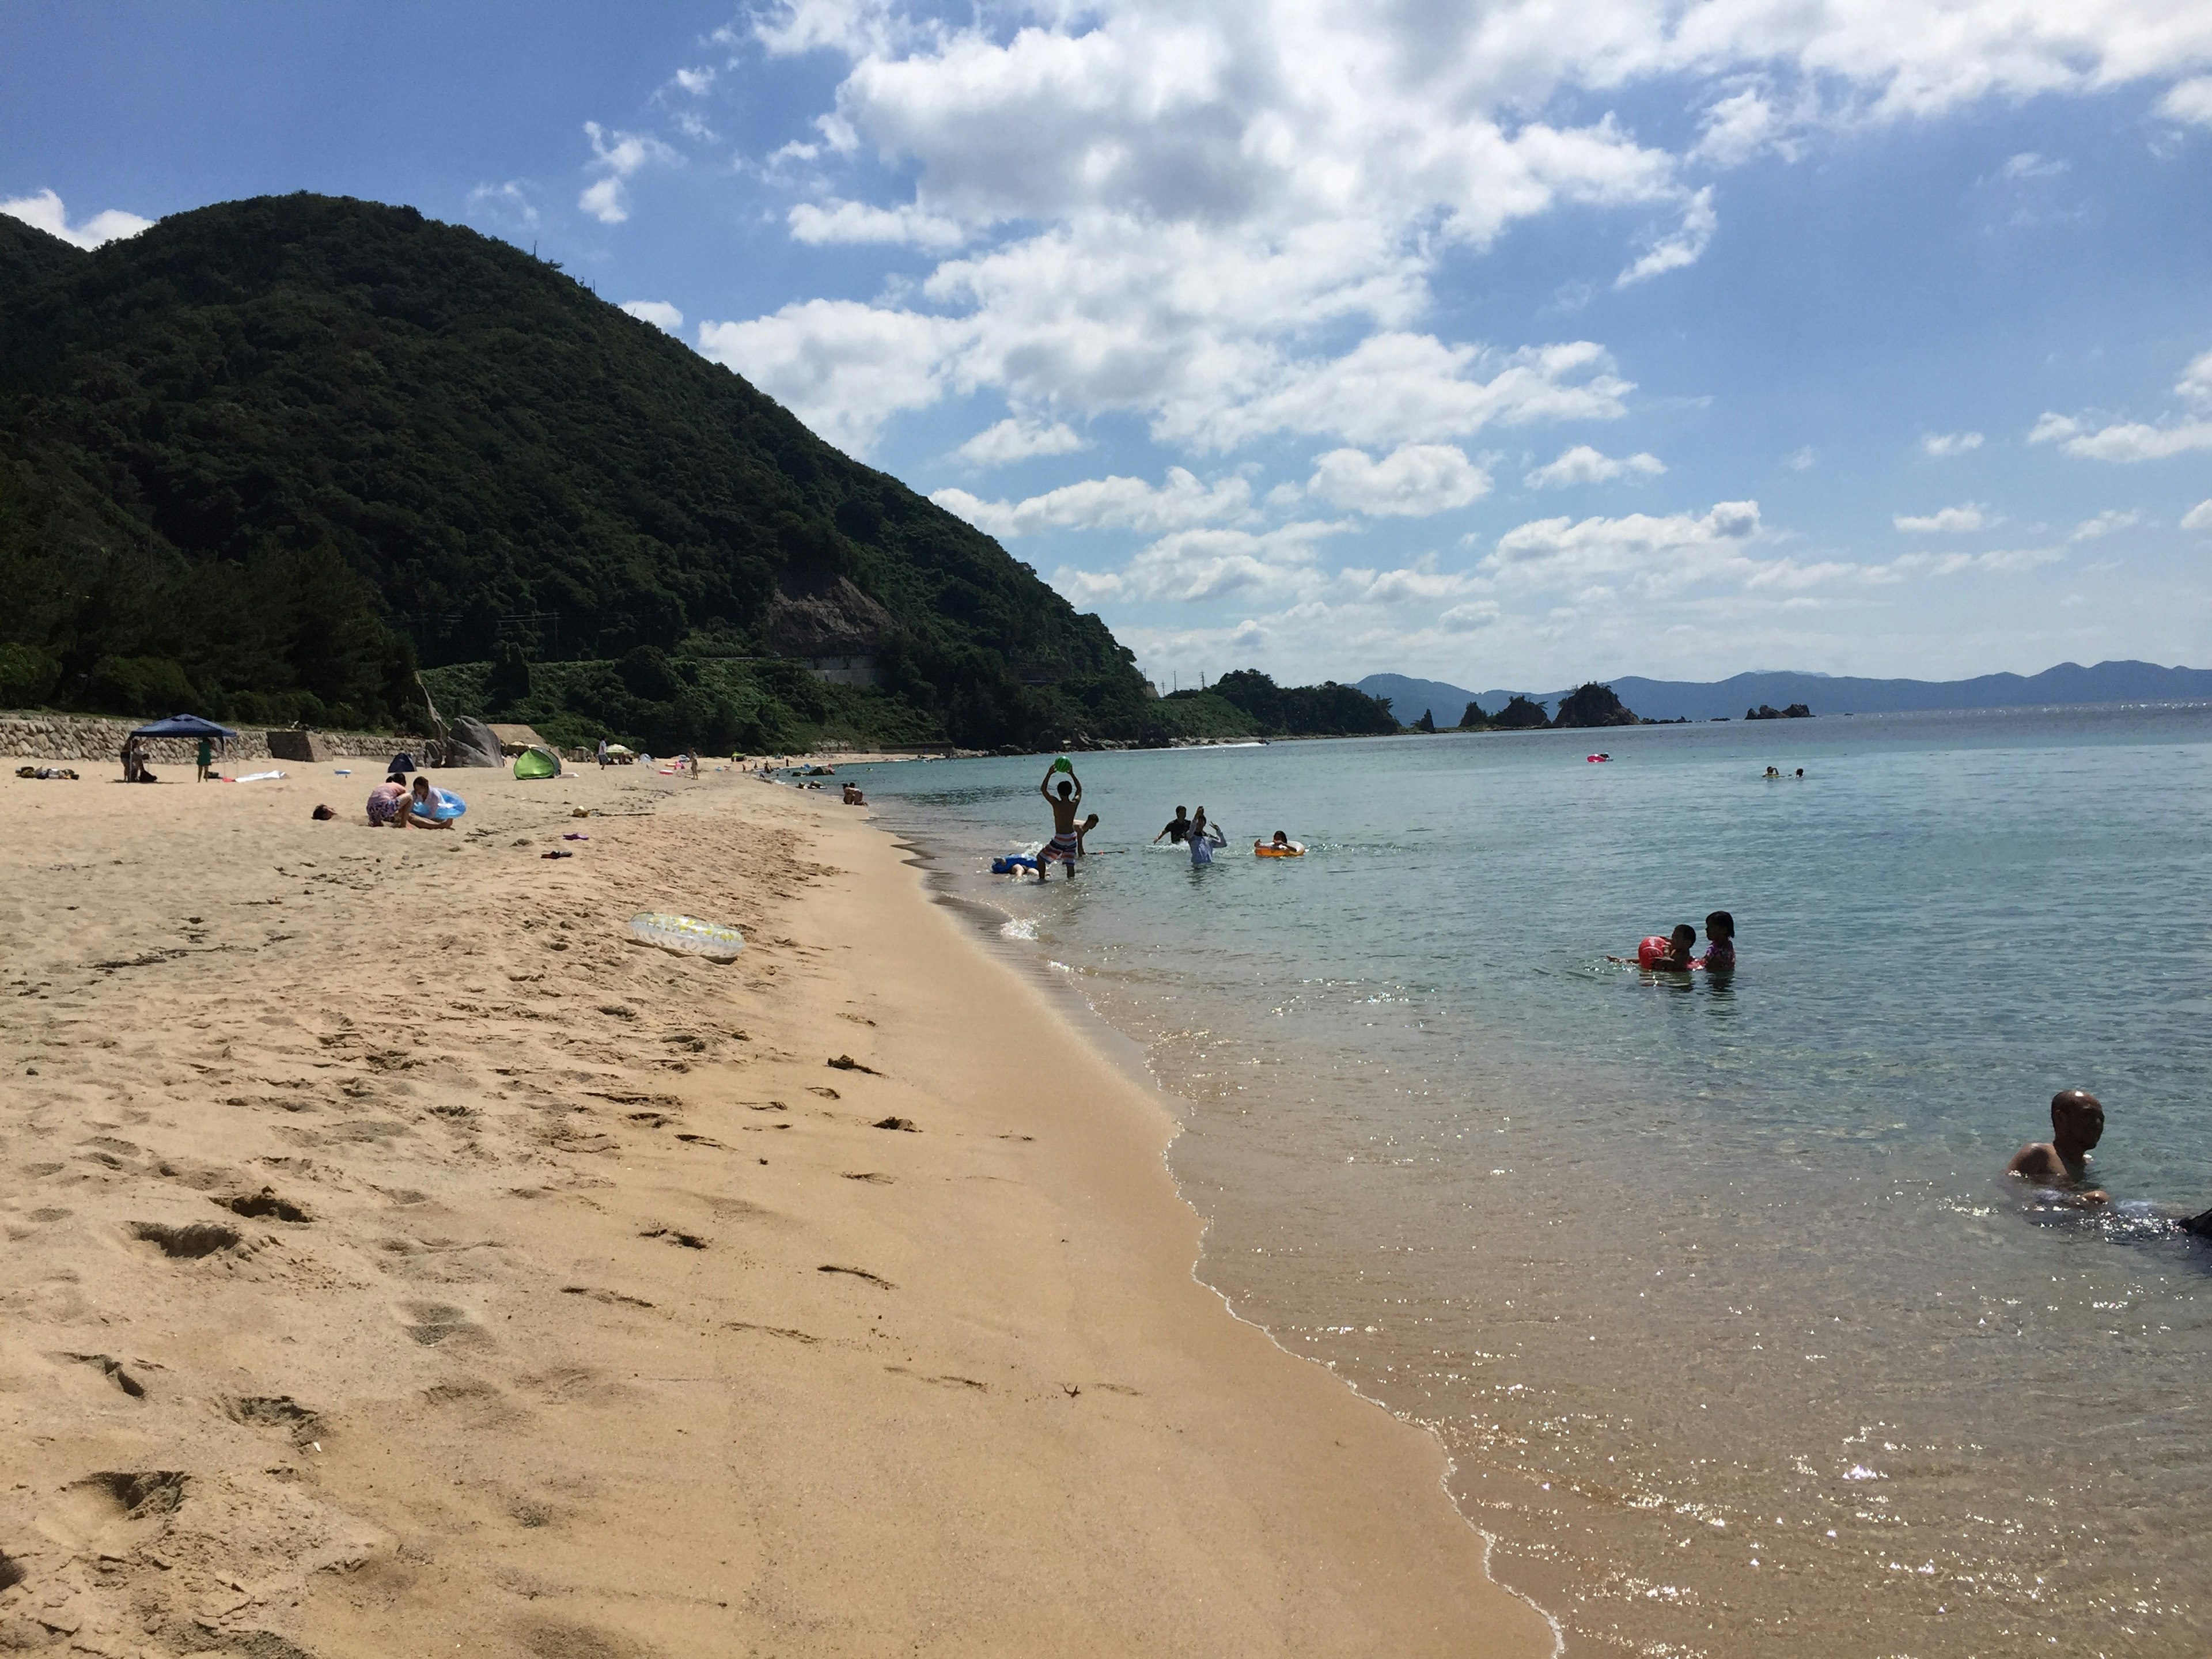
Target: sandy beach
x=401, y=1259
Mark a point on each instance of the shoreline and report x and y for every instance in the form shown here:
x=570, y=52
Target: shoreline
x=608, y=1323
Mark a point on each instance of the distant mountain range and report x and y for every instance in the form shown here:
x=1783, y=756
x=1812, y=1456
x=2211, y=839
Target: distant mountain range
x=1824, y=694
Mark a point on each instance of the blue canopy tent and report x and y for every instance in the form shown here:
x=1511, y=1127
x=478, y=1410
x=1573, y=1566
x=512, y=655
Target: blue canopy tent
x=184, y=726
x=176, y=725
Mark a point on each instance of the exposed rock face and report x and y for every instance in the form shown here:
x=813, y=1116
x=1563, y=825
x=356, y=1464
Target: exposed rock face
x=1521, y=716
x=836, y=620
x=85, y=737
x=1594, y=705
x=1767, y=711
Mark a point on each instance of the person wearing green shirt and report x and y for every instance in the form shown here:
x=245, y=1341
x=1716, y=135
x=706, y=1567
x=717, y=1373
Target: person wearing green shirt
x=207, y=759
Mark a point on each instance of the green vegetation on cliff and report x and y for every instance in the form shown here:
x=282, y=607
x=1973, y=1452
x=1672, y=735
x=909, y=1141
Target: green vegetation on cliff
x=267, y=457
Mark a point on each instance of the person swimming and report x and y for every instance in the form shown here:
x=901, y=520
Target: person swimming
x=1280, y=846
x=2077, y=1124
x=1675, y=958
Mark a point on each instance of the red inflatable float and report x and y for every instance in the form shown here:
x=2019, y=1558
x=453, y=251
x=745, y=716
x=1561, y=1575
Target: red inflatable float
x=1655, y=951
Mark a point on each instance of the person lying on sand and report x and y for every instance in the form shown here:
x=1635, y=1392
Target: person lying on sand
x=1065, y=845
x=2077, y=1124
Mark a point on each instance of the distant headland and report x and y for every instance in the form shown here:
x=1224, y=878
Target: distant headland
x=1818, y=694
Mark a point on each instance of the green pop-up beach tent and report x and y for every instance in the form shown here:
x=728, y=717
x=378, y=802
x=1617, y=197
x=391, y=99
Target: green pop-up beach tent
x=537, y=763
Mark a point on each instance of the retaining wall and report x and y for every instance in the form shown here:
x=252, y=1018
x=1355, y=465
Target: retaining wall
x=82, y=738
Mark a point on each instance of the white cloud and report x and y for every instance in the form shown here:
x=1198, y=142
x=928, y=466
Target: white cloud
x=1582, y=465
x=2198, y=516
x=1684, y=246
x=1949, y=520
x=2005, y=563
x=1414, y=481
x=696, y=80
x=1017, y=438
x=1192, y=565
x=1466, y=619
x=1115, y=503
x=1657, y=555
x=1739, y=127
x=2135, y=441
x=508, y=203
x=618, y=155
x=2196, y=382
x=1941, y=446
x=43, y=211
x=2125, y=442
x=1801, y=461
x=2188, y=101
x=855, y=221
x=2103, y=524
x=658, y=313
x=841, y=367
x=1418, y=583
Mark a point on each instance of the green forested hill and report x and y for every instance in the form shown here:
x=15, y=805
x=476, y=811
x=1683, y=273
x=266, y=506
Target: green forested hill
x=266, y=457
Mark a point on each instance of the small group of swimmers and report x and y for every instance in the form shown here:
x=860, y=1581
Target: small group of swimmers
x=1201, y=836
x=2059, y=1167
x=1775, y=772
x=1204, y=838
x=1675, y=953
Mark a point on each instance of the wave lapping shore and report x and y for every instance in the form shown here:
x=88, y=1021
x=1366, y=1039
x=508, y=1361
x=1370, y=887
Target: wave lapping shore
x=398, y=1252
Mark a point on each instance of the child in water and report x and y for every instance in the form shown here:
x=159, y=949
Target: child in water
x=1720, y=944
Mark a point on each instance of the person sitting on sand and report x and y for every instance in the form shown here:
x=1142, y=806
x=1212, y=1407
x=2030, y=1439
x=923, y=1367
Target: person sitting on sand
x=853, y=797
x=1178, y=827
x=1065, y=845
x=2077, y=1123
x=423, y=806
x=1720, y=944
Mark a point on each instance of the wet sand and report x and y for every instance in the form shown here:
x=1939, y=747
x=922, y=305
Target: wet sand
x=398, y=1256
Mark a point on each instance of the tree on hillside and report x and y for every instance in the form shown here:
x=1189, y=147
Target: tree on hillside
x=1426, y=723
x=1522, y=716
x=1474, y=719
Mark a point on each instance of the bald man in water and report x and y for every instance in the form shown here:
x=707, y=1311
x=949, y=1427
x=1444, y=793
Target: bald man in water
x=2077, y=1124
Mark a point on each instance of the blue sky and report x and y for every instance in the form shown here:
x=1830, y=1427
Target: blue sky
x=1865, y=336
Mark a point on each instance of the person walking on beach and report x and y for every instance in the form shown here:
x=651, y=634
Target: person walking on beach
x=1065, y=845
x=2077, y=1124
x=1178, y=827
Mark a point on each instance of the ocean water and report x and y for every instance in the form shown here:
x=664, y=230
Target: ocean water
x=1738, y=1337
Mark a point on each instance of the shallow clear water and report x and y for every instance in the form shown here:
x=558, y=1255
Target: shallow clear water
x=1713, y=1289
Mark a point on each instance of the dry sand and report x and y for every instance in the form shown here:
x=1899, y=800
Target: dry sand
x=400, y=1260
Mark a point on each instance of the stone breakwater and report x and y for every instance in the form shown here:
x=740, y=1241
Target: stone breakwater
x=81, y=737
